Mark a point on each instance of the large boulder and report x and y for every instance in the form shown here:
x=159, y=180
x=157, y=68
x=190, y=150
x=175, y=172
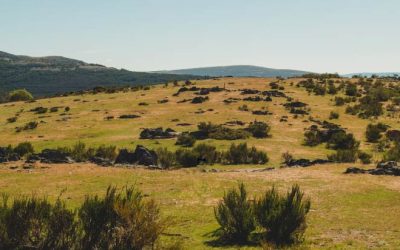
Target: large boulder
x=158, y=133
x=54, y=156
x=141, y=156
x=7, y=154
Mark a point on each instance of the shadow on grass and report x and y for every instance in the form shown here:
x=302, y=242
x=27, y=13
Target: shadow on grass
x=218, y=241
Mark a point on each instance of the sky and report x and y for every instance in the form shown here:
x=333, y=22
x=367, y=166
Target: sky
x=341, y=36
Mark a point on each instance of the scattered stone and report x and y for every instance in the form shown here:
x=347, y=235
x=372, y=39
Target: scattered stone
x=306, y=162
x=128, y=116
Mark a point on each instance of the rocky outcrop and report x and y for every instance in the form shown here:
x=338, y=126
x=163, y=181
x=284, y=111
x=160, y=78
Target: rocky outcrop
x=7, y=154
x=305, y=162
x=158, y=133
x=141, y=156
x=383, y=168
x=50, y=156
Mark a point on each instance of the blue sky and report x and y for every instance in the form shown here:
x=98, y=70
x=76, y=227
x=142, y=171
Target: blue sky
x=317, y=35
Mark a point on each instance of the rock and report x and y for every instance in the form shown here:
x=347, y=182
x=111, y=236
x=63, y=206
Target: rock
x=306, y=162
x=54, y=156
x=383, y=168
x=387, y=165
x=33, y=158
x=354, y=170
x=100, y=161
x=141, y=156
x=249, y=91
x=128, y=116
x=157, y=133
x=199, y=99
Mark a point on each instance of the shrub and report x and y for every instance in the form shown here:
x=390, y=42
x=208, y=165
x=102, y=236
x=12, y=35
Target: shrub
x=351, y=89
x=287, y=157
x=393, y=154
x=219, y=132
x=343, y=155
x=241, y=154
x=19, y=95
x=187, y=158
x=165, y=158
x=333, y=115
x=107, y=152
x=312, y=138
x=28, y=126
x=364, y=157
x=283, y=217
x=33, y=223
x=80, y=153
x=339, y=101
x=24, y=148
x=12, y=119
x=186, y=140
x=341, y=140
x=373, y=132
x=120, y=220
x=207, y=153
x=259, y=129
x=235, y=216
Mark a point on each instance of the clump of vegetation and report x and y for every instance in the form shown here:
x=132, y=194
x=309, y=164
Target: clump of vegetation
x=374, y=131
x=187, y=158
x=259, y=129
x=207, y=154
x=166, y=159
x=12, y=119
x=343, y=155
x=28, y=126
x=19, y=95
x=219, y=132
x=333, y=115
x=241, y=154
x=120, y=220
x=364, y=157
x=282, y=217
x=234, y=215
x=23, y=149
x=186, y=140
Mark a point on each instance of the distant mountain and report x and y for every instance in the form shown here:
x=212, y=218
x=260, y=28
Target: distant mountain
x=369, y=74
x=44, y=76
x=237, y=71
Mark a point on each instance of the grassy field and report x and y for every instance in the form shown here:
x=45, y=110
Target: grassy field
x=348, y=211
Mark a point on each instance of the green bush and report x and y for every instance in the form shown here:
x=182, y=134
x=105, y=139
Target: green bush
x=333, y=115
x=165, y=158
x=34, y=223
x=80, y=153
x=120, y=220
x=12, y=119
x=259, y=129
x=241, y=154
x=393, y=154
x=341, y=140
x=343, y=155
x=24, y=148
x=187, y=158
x=312, y=138
x=186, y=140
x=373, y=132
x=364, y=157
x=207, y=153
x=219, y=132
x=283, y=217
x=351, y=89
x=19, y=95
x=235, y=216
x=107, y=152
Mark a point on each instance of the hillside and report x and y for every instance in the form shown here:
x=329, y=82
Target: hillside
x=348, y=211
x=237, y=71
x=45, y=76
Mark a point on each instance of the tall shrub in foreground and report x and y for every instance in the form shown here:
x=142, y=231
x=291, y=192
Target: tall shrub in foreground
x=283, y=217
x=34, y=223
x=235, y=217
x=120, y=220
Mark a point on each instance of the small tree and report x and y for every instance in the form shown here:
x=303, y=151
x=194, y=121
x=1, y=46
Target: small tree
x=186, y=140
x=283, y=217
x=235, y=217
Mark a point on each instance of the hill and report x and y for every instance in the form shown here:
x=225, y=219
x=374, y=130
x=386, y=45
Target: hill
x=237, y=71
x=369, y=74
x=346, y=209
x=45, y=76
